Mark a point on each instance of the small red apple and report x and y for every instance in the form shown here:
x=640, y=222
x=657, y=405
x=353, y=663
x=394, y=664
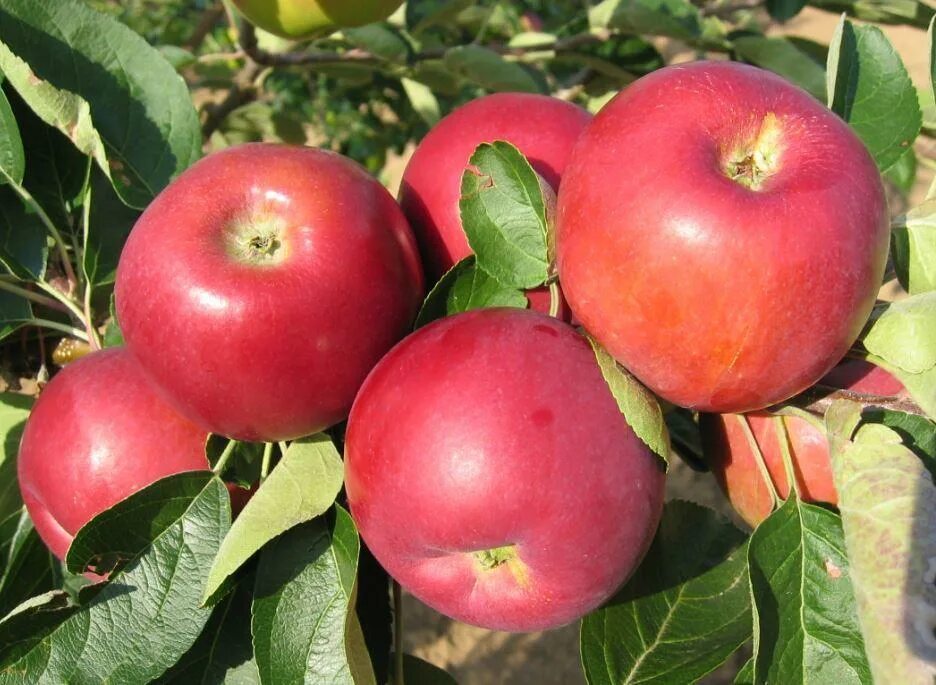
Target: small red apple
x=98, y=433
x=722, y=234
x=734, y=464
x=491, y=473
x=260, y=288
x=543, y=128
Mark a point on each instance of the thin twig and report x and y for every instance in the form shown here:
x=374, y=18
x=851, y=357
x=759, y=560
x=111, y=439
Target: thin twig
x=32, y=296
x=60, y=327
x=209, y=18
x=225, y=457
x=248, y=42
x=819, y=398
x=30, y=201
x=397, y=634
x=242, y=91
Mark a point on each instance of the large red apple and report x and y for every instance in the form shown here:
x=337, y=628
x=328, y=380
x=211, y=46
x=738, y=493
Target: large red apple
x=492, y=474
x=260, y=288
x=722, y=234
x=309, y=18
x=543, y=128
x=734, y=464
x=98, y=433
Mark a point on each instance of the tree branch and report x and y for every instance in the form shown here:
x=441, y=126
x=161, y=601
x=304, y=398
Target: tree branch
x=248, y=41
x=242, y=91
x=209, y=18
x=819, y=398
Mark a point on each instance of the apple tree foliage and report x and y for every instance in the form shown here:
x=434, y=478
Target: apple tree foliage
x=104, y=102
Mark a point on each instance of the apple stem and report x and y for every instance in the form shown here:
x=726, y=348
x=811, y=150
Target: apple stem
x=759, y=458
x=225, y=457
x=783, y=438
x=554, y=299
x=267, y=458
x=397, y=634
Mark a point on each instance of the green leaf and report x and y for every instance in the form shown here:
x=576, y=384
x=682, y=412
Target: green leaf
x=621, y=58
x=465, y=287
x=685, y=610
x=911, y=12
x=504, y=213
x=14, y=311
x=374, y=610
x=487, y=69
x=26, y=566
x=56, y=170
x=784, y=10
x=674, y=18
x=223, y=652
x=380, y=40
x=304, y=626
x=805, y=621
x=931, y=34
x=121, y=533
x=110, y=222
x=303, y=485
x=421, y=14
x=888, y=505
x=869, y=87
x=638, y=405
x=243, y=466
x=113, y=336
x=784, y=57
x=913, y=248
x=177, y=56
x=419, y=672
x=14, y=410
x=146, y=617
x=64, y=111
x=917, y=432
x=23, y=249
x=423, y=100
x=903, y=333
x=903, y=173
x=746, y=675
x=29, y=624
x=12, y=158
x=140, y=107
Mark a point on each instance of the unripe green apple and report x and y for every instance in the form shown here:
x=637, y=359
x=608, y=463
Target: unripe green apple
x=309, y=18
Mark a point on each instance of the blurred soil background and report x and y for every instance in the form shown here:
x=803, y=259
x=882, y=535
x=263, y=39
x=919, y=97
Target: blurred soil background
x=480, y=657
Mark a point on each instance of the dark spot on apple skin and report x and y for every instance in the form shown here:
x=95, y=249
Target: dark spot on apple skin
x=542, y=417
x=549, y=330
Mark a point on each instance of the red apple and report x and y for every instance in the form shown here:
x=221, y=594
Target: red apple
x=309, y=18
x=543, y=128
x=262, y=285
x=98, y=433
x=722, y=234
x=491, y=473
x=734, y=464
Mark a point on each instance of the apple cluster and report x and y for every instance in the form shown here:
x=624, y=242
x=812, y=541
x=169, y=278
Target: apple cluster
x=269, y=293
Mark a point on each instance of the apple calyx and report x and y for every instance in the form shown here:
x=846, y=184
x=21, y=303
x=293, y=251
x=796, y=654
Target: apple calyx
x=751, y=164
x=256, y=241
x=491, y=559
